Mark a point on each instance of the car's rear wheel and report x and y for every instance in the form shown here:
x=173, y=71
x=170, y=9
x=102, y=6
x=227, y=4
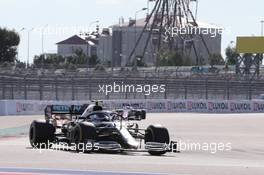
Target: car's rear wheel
x=41, y=134
x=157, y=134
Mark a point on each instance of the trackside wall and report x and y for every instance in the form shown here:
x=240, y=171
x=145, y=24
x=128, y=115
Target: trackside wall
x=28, y=107
x=2, y=108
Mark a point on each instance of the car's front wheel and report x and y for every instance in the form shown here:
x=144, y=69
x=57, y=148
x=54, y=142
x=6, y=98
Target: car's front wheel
x=157, y=134
x=84, y=132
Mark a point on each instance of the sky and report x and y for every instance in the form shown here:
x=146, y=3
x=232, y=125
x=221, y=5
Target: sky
x=60, y=19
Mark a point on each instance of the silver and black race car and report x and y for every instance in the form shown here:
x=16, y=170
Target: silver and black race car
x=91, y=128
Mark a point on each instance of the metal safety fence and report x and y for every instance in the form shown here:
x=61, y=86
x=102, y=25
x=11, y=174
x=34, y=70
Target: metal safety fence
x=87, y=87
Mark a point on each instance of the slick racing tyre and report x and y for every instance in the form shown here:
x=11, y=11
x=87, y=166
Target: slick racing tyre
x=83, y=133
x=157, y=134
x=41, y=134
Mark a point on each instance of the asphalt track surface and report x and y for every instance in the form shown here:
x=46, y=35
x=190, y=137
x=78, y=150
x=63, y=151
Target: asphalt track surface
x=245, y=133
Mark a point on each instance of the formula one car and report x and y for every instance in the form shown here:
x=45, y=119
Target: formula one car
x=90, y=128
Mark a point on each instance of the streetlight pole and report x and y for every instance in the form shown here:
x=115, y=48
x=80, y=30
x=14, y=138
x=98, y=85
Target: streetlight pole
x=28, y=47
x=148, y=7
x=42, y=38
x=196, y=10
x=141, y=10
x=262, y=27
x=262, y=33
x=18, y=45
x=87, y=40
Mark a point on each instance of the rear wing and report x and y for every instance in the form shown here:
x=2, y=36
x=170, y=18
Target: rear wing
x=73, y=110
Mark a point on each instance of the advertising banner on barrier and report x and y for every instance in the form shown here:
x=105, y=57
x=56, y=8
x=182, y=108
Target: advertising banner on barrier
x=176, y=106
x=29, y=107
x=156, y=106
x=258, y=106
x=218, y=106
x=240, y=107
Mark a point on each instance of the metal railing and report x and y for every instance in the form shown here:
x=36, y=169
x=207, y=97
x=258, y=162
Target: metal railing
x=76, y=86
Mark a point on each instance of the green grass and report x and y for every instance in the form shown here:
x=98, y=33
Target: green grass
x=16, y=131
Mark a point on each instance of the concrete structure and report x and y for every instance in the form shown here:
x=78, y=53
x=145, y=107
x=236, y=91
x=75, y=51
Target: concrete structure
x=104, y=47
x=127, y=34
x=69, y=46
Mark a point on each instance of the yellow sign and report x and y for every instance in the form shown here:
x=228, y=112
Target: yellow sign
x=250, y=44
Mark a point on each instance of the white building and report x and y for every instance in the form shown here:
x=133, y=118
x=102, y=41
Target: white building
x=69, y=46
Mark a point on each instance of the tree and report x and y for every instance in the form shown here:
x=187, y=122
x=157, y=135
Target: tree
x=175, y=59
x=79, y=59
x=93, y=61
x=216, y=59
x=187, y=61
x=49, y=61
x=141, y=63
x=9, y=40
x=231, y=55
x=21, y=65
x=172, y=59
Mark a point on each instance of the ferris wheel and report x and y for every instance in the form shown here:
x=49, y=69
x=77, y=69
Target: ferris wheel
x=164, y=25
